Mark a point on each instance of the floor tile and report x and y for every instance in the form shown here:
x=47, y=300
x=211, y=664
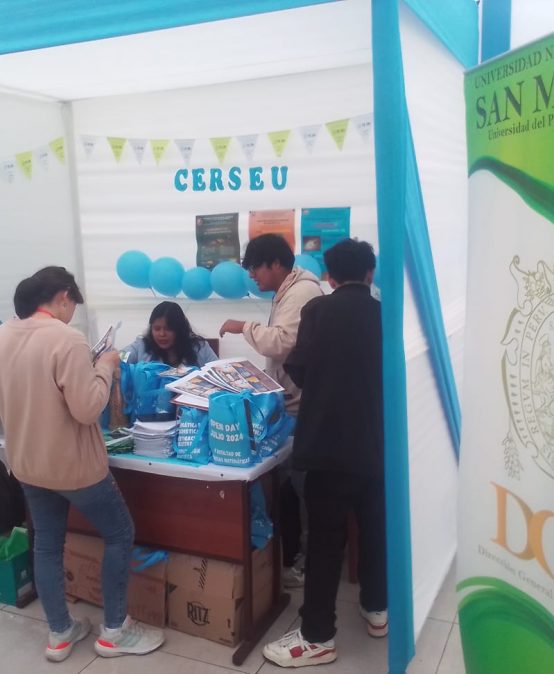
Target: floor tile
x=159, y=661
x=22, y=644
x=23, y=638
x=430, y=647
x=445, y=606
x=453, y=660
x=358, y=652
x=79, y=609
x=185, y=645
x=349, y=592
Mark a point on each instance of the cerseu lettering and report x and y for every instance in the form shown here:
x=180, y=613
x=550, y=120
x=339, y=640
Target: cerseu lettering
x=255, y=178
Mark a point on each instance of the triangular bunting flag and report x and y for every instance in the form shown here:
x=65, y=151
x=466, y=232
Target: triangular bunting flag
x=185, y=146
x=25, y=162
x=220, y=146
x=58, y=149
x=337, y=130
x=138, y=145
x=89, y=143
x=117, y=145
x=7, y=170
x=248, y=144
x=279, y=140
x=158, y=148
x=363, y=124
x=309, y=135
x=42, y=154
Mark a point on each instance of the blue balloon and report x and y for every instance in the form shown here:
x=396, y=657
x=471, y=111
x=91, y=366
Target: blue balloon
x=309, y=263
x=133, y=268
x=252, y=288
x=376, y=274
x=228, y=280
x=197, y=283
x=166, y=275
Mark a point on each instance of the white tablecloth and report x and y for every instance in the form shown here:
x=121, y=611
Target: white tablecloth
x=209, y=472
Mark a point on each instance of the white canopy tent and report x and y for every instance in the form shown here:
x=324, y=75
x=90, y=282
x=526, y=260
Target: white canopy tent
x=296, y=68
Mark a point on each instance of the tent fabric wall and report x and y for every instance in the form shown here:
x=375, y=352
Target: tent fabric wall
x=36, y=214
x=434, y=93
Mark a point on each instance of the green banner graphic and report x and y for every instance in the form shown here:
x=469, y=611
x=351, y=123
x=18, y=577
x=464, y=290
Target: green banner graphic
x=510, y=122
x=504, y=629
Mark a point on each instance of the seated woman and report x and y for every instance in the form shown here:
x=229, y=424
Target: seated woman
x=170, y=340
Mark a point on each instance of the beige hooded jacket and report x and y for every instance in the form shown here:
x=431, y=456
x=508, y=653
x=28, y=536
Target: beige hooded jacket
x=276, y=340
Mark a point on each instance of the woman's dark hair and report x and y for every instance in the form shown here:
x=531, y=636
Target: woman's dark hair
x=349, y=260
x=42, y=287
x=186, y=341
x=266, y=249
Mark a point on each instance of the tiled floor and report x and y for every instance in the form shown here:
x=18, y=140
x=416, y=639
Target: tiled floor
x=438, y=651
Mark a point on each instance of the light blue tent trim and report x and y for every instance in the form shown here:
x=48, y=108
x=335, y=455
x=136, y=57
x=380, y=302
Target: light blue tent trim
x=35, y=24
x=455, y=23
x=390, y=118
x=419, y=260
x=496, y=25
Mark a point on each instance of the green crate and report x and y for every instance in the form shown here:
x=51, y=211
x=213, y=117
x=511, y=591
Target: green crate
x=16, y=580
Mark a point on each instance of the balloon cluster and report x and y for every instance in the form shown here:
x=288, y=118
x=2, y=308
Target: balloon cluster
x=168, y=277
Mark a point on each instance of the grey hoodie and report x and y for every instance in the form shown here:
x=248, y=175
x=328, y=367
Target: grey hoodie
x=276, y=340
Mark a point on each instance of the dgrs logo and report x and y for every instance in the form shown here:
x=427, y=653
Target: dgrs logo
x=529, y=542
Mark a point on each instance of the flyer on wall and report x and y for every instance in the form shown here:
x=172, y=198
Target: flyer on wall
x=272, y=222
x=506, y=504
x=321, y=228
x=217, y=238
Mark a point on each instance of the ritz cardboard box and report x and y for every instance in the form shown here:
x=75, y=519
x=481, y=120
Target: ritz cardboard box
x=206, y=596
x=82, y=567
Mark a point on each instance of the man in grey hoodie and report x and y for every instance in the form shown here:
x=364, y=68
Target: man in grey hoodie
x=269, y=260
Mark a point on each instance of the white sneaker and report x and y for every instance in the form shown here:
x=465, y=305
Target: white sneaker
x=292, y=577
x=132, y=638
x=377, y=622
x=293, y=650
x=60, y=644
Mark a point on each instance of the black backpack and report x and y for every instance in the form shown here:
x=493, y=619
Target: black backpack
x=12, y=502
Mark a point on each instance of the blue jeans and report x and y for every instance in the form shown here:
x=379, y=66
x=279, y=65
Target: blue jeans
x=103, y=506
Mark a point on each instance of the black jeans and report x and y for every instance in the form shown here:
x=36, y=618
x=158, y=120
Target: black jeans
x=330, y=496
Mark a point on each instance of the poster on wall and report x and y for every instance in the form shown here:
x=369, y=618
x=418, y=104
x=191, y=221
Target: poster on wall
x=272, y=222
x=321, y=228
x=506, y=504
x=217, y=238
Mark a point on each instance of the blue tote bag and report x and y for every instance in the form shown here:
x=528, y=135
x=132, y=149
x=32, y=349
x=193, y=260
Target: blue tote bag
x=231, y=434
x=191, y=442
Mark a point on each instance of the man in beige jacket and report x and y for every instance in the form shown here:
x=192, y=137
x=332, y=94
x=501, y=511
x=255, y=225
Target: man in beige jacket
x=269, y=260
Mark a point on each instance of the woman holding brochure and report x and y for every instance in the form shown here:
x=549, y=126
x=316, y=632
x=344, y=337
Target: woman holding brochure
x=169, y=339
x=51, y=395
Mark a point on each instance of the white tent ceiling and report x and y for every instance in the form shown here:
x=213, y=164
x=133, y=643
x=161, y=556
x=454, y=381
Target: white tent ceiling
x=277, y=43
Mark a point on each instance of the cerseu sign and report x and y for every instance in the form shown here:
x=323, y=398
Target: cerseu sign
x=255, y=178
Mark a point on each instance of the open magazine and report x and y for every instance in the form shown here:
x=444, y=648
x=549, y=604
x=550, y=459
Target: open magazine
x=105, y=343
x=230, y=374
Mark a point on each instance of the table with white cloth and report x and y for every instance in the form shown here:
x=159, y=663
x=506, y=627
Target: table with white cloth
x=204, y=511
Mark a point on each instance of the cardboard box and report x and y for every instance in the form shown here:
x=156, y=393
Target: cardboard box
x=82, y=568
x=16, y=580
x=206, y=596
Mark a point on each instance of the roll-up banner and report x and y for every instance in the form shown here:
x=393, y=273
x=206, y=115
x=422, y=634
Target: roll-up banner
x=506, y=541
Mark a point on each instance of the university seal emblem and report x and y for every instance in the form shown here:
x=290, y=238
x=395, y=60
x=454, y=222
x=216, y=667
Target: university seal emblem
x=528, y=370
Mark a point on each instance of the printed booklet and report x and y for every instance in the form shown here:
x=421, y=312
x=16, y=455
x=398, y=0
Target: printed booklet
x=229, y=374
